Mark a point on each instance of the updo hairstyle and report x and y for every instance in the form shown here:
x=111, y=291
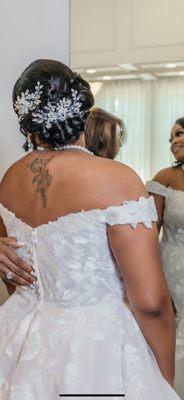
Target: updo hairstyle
x=57, y=82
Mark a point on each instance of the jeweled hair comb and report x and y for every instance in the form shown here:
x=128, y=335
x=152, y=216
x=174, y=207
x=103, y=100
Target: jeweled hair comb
x=67, y=107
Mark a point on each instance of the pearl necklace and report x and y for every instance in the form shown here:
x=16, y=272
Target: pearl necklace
x=73, y=147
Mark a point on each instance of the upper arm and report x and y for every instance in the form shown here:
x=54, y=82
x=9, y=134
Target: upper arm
x=162, y=177
x=160, y=206
x=137, y=255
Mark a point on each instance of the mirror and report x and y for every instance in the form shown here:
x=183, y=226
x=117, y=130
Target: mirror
x=131, y=52
x=133, y=60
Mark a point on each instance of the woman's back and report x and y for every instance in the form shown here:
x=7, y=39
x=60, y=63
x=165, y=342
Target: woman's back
x=68, y=231
x=75, y=319
x=44, y=186
x=72, y=332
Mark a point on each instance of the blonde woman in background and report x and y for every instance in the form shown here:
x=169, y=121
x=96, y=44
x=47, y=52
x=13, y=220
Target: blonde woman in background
x=168, y=190
x=104, y=133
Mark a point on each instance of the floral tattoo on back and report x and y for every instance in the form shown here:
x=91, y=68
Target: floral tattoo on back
x=43, y=177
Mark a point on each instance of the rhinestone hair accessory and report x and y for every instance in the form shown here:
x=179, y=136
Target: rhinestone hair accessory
x=28, y=101
x=68, y=107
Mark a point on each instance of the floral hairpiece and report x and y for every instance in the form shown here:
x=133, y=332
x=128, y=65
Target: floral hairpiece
x=68, y=107
x=28, y=101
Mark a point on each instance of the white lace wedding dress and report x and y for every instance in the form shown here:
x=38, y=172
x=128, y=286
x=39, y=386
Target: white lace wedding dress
x=74, y=334
x=172, y=251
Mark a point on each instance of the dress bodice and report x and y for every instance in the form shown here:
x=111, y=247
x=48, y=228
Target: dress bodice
x=173, y=218
x=72, y=256
x=75, y=335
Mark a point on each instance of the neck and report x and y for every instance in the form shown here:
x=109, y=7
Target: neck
x=79, y=142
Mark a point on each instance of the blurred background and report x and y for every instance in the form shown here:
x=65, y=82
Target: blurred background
x=132, y=53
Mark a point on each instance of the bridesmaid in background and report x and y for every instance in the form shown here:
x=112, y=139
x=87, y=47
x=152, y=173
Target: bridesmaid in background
x=104, y=133
x=167, y=188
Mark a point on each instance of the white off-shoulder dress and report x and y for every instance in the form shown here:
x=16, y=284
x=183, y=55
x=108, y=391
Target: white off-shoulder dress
x=172, y=252
x=74, y=334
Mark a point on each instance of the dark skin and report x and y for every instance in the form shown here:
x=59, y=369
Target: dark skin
x=40, y=173
x=81, y=181
x=9, y=261
x=171, y=177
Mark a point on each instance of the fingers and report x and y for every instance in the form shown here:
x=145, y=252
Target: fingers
x=24, y=274
x=21, y=264
x=14, y=243
x=14, y=284
x=8, y=283
x=11, y=241
x=7, y=253
x=18, y=271
x=21, y=273
x=19, y=280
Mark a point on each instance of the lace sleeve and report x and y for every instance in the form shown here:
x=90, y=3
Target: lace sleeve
x=157, y=188
x=132, y=213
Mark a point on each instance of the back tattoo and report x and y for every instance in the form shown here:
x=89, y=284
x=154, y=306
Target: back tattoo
x=43, y=177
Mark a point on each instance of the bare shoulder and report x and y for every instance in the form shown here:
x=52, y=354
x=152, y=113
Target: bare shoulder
x=127, y=180
x=119, y=182
x=11, y=178
x=164, y=176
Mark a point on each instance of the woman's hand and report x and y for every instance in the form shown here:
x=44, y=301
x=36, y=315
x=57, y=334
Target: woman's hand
x=23, y=274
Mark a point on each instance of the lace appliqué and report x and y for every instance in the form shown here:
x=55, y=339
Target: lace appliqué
x=79, y=336
x=133, y=212
x=157, y=188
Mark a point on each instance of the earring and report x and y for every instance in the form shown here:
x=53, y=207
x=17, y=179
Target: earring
x=30, y=144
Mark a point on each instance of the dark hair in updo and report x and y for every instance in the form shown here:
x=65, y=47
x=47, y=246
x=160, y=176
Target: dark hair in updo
x=57, y=80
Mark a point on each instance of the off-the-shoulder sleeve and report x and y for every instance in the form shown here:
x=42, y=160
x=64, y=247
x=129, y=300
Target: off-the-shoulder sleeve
x=157, y=188
x=132, y=213
x=3, y=212
x=6, y=215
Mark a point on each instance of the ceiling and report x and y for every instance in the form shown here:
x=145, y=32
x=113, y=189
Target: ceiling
x=148, y=71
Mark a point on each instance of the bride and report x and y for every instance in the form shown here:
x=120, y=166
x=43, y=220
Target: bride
x=167, y=187
x=88, y=229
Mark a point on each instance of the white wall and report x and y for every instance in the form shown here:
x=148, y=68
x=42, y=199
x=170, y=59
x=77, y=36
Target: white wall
x=28, y=30
x=110, y=32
